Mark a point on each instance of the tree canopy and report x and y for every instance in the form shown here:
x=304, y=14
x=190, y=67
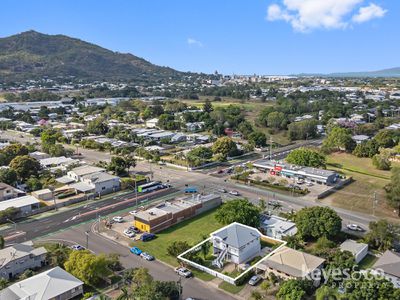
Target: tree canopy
x=224, y=146
x=315, y=222
x=306, y=157
x=25, y=166
x=239, y=210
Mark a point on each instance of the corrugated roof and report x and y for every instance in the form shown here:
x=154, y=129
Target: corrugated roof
x=237, y=235
x=389, y=262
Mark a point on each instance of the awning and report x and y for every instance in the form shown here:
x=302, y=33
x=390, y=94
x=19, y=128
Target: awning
x=65, y=180
x=82, y=187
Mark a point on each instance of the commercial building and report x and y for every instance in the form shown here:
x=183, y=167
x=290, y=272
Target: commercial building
x=168, y=213
x=54, y=284
x=359, y=250
x=309, y=174
x=18, y=258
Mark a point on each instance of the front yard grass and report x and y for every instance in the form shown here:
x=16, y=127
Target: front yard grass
x=230, y=288
x=191, y=231
x=368, y=261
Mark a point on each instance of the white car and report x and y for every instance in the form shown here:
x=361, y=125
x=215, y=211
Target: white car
x=118, y=219
x=234, y=193
x=129, y=233
x=133, y=212
x=181, y=271
x=355, y=227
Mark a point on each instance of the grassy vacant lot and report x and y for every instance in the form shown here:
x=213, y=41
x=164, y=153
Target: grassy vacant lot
x=368, y=261
x=359, y=195
x=191, y=230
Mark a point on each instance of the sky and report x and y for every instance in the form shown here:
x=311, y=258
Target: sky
x=229, y=36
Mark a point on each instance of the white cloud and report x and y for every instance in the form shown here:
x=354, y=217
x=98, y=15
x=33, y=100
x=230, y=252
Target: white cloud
x=194, y=42
x=368, y=13
x=307, y=15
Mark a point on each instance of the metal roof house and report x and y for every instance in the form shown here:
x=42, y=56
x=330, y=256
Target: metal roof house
x=52, y=284
x=236, y=243
x=359, y=250
x=389, y=263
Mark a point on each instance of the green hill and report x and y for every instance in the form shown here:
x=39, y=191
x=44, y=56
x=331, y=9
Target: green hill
x=32, y=55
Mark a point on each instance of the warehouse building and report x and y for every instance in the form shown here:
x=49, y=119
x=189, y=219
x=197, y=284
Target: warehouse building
x=169, y=213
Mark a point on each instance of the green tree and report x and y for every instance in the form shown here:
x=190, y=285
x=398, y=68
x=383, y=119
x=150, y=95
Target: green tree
x=366, y=149
x=88, y=267
x=177, y=247
x=8, y=176
x=315, y=222
x=370, y=287
x=3, y=283
x=258, y=139
x=381, y=235
x=276, y=120
x=393, y=189
x=198, y=156
x=326, y=293
x=245, y=128
x=338, y=139
x=207, y=106
x=385, y=138
x=97, y=126
x=34, y=184
x=382, y=160
x=57, y=254
x=8, y=153
x=25, y=166
x=49, y=138
x=340, y=260
x=306, y=157
x=225, y=146
x=9, y=213
x=303, y=130
x=239, y=210
x=294, y=289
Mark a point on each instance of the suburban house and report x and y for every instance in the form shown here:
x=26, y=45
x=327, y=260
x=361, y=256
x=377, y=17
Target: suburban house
x=360, y=138
x=25, y=204
x=54, y=284
x=18, y=258
x=168, y=213
x=278, y=227
x=102, y=182
x=359, y=250
x=236, y=243
x=39, y=155
x=60, y=162
x=9, y=192
x=194, y=126
x=76, y=174
x=389, y=263
x=288, y=263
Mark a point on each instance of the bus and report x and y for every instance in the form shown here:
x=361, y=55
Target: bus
x=190, y=190
x=150, y=186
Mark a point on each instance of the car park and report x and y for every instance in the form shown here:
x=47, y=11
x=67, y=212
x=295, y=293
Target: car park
x=77, y=247
x=129, y=233
x=118, y=219
x=146, y=256
x=254, y=280
x=183, y=272
x=135, y=250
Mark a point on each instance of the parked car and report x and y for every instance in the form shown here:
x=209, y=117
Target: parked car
x=309, y=184
x=234, y=193
x=134, y=229
x=222, y=190
x=136, y=250
x=77, y=247
x=133, y=212
x=118, y=219
x=255, y=280
x=355, y=227
x=129, y=233
x=146, y=256
x=147, y=237
x=181, y=271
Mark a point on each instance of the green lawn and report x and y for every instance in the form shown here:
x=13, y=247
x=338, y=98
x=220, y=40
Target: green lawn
x=368, y=261
x=201, y=275
x=191, y=230
x=230, y=288
x=359, y=195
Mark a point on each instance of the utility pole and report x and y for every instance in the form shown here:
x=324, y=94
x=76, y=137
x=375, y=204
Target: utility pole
x=87, y=239
x=374, y=204
x=270, y=147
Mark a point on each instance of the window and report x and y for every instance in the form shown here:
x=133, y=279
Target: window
x=103, y=188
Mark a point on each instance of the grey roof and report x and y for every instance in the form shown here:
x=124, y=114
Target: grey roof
x=237, y=235
x=82, y=187
x=85, y=170
x=389, y=262
x=352, y=246
x=18, y=202
x=17, y=251
x=100, y=177
x=43, y=286
x=65, y=179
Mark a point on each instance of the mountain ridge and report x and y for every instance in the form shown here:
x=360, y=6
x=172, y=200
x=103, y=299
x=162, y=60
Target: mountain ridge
x=31, y=54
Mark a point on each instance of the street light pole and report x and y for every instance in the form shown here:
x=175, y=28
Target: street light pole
x=15, y=224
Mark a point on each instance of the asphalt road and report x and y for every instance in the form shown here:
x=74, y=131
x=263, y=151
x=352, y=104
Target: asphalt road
x=192, y=287
x=36, y=227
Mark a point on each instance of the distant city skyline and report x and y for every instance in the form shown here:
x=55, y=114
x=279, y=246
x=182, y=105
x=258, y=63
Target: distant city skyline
x=278, y=37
